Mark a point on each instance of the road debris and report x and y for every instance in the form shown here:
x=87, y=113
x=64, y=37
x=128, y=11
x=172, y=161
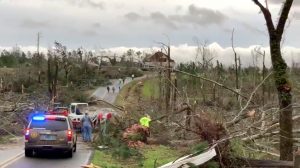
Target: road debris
x=90, y=166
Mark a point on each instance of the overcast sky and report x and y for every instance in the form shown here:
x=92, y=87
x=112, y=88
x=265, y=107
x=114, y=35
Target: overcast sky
x=138, y=23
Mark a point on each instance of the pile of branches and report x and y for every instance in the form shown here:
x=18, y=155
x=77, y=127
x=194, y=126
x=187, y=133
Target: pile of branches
x=136, y=135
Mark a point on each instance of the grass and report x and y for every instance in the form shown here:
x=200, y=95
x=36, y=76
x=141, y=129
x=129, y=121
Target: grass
x=150, y=88
x=104, y=159
x=157, y=155
x=124, y=92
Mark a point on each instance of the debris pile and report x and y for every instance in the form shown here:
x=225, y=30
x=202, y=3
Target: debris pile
x=15, y=109
x=213, y=132
x=136, y=135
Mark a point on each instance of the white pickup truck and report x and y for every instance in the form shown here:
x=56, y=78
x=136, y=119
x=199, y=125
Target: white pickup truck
x=77, y=111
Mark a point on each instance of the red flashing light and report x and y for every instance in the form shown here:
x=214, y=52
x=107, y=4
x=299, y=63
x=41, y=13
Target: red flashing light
x=27, y=132
x=69, y=135
x=50, y=117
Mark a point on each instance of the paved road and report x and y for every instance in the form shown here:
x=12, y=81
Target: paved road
x=101, y=92
x=55, y=160
x=8, y=151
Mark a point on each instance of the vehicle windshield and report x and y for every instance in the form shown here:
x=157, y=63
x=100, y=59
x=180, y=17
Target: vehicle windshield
x=53, y=125
x=80, y=109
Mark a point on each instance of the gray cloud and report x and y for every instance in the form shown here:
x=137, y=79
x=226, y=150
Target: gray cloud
x=90, y=33
x=178, y=8
x=205, y=16
x=194, y=15
x=30, y=23
x=200, y=16
x=132, y=16
x=160, y=18
x=87, y=3
x=91, y=3
x=252, y=28
x=96, y=25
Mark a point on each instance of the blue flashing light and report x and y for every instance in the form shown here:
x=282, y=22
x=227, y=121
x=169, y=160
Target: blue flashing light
x=38, y=118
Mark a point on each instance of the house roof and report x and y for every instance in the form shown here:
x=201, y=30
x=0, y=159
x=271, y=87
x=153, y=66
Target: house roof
x=157, y=57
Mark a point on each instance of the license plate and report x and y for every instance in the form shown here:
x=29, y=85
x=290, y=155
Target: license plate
x=48, y=137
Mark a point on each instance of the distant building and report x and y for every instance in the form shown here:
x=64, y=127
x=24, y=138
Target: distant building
x=157, y=60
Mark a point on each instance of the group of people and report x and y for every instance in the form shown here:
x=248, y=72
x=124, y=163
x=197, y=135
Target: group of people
x=87, y=125
x=102, y=123
x=121, y=82
x=113, y=89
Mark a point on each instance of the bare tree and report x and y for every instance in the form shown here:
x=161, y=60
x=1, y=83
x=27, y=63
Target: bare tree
x=280, y=75
x=67, y=65
x=236, y=64
x=167, y=49
x=54, y=60
x=258, y=51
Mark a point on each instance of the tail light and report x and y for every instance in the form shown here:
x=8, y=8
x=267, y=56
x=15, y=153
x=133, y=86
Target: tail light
x=69, y=135
x=27, y=132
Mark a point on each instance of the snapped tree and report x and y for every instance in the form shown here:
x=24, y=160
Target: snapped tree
x=281, y=76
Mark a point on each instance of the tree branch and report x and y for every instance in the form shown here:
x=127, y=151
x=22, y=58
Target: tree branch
x=212, y=81
x=114, y=106
x=267, y=15
x=239, y=117
x=283, y=17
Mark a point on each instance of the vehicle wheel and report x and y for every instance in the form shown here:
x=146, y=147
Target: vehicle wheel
x=70, y=153
x=75, y=147
x=28, y=153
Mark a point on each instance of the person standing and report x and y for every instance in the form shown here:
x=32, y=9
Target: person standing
x=132, y=76
x=106, y=123
x=124, y=80
x=145, y=123
x=86, y=124
x=99, y=123
x=107, y=89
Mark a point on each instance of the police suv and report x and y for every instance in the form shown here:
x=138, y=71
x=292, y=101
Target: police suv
x=50, y=133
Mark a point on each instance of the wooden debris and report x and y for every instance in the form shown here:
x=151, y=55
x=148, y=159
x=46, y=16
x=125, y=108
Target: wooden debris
x=90, y=166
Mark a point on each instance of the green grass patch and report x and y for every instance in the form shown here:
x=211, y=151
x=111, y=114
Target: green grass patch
x=124, y=92
x=105, y=159
x=152, y=156
x=151, y=88
x=159, y=155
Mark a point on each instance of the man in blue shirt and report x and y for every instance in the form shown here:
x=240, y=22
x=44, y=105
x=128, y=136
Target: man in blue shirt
x=87, y=125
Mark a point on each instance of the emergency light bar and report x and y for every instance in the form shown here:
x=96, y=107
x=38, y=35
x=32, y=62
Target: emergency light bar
x=43, y=118
x=38, y=118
